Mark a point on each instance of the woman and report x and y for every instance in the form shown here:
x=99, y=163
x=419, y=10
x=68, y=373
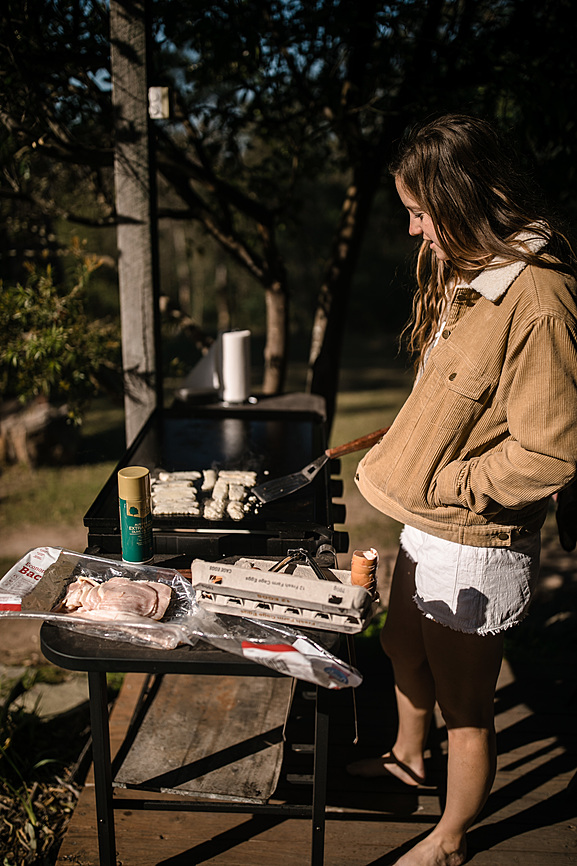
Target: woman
x=487, y=435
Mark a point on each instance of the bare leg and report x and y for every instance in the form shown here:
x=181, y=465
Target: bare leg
x=402, y=640
x=465, y=668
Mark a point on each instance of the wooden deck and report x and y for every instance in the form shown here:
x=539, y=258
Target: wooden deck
x=530, y=818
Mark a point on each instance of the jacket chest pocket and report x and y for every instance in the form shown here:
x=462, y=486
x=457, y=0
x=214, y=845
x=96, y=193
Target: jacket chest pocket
x=463, y=391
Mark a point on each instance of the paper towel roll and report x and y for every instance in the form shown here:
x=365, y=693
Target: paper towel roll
x=235, y=366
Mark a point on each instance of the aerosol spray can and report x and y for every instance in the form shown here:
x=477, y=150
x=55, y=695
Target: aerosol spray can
x=135, y=514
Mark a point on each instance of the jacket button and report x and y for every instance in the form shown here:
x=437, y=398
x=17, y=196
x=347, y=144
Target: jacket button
x=503, y=536
x=452, y=376
x=446, y=334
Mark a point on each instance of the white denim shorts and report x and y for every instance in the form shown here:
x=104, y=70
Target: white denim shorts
x=476, y=590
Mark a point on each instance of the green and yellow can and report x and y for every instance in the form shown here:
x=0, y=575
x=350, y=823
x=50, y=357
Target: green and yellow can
x=135, y=514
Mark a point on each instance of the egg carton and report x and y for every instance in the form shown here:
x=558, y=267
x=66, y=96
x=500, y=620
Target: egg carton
x=304, y=595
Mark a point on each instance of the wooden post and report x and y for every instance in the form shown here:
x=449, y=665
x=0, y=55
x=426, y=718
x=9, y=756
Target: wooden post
x=135, y=189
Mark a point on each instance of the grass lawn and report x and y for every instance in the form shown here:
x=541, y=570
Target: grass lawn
x=54, y=499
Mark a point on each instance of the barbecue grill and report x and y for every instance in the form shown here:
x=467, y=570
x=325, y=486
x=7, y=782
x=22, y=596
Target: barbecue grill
x=273, y=437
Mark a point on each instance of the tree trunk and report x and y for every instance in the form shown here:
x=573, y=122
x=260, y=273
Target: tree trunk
x=136, y=208
x=222, y=297
x=274, y=280
x=276, y=346
x=330, y=317
x=182, y=267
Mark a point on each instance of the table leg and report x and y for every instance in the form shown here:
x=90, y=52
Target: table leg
x=102, y=767
x=320, y=775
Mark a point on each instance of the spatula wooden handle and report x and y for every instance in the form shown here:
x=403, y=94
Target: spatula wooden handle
x=366, y=441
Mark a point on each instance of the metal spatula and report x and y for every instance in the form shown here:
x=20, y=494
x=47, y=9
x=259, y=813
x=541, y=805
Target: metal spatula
x=279, y=487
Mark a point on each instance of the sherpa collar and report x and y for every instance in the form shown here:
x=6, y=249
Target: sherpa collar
x=492, y=283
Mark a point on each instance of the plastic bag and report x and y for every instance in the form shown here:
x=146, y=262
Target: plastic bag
x=37, y=584
x=284, y=649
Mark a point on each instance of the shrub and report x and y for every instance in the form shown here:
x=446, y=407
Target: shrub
x=50, y=348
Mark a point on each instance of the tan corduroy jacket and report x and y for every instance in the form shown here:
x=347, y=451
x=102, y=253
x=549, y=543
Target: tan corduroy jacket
x=489, y=431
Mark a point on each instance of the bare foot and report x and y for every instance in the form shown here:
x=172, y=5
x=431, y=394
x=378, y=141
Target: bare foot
x=388, y=765
x=431, y=852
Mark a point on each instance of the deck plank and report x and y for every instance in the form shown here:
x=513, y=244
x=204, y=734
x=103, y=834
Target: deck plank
x=211, y=737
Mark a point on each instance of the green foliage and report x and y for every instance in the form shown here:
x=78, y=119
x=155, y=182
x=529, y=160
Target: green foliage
x=373, y=630
x=50, y=347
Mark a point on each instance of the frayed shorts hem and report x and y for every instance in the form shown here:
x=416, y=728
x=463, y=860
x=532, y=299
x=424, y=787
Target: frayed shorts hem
x=462, y=629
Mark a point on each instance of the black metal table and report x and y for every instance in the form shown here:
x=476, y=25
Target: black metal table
x=75, y=651
x=278, y=435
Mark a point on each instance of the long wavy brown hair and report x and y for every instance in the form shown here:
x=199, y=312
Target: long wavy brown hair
x=463, y=175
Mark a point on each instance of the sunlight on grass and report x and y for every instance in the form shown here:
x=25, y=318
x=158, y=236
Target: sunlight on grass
x=45, y=498
x=54, y=498
x=48, y=494
x=360, y=412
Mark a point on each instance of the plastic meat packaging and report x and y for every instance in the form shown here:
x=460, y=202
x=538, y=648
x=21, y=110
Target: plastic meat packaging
x=37, y=584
